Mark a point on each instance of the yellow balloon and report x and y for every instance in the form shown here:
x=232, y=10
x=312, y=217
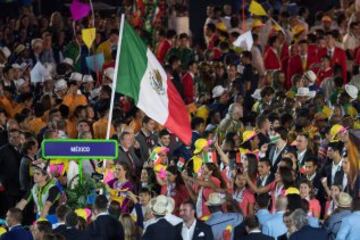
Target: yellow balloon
x=88, y=36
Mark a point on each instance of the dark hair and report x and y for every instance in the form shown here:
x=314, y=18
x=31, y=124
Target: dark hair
x=266, y=161
x=174, y=171
x=211, y=27
x=71, y=219
x=64, y=111
x=272, y=40
x=216, y=173
x=356, y=204
x=337, y=146
x=282, y=132
x=170, y=33
x=123, y=134
x=146, y=120
x=114, y=31
x=101, y=203
x=114, y=209
x=190, y=203
x=260, y=120
x=286, y=177
x=263, y=200
x=247, y=54
x=61, y=211
x=252, y=222
x=294, y=202
x=312, y=159
x=16, y=213
x=196, y=122
x=126, y=168
x=252, y=165
x=28, y=145
x=44, y=226
x=163, y=132
x=183, y=35
x=267, y=91
x=53, y=236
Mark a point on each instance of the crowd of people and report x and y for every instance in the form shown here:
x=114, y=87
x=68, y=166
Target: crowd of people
x=275, y=146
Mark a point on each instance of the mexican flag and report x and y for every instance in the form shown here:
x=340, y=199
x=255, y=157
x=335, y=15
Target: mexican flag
x=140, y=76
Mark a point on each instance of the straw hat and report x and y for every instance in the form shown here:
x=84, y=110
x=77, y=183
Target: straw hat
x=69, y=61
x=215, y=199
x=305, y=92
x=311, y=76
x=109, y=73
x=352, y=91
x=218, y=91
x=5, y=52
x=200, y=144
x=344, y=200
x=162, y=205
x=87, y=79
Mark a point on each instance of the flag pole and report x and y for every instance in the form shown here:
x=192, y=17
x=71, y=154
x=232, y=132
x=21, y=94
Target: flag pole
x=114, y=78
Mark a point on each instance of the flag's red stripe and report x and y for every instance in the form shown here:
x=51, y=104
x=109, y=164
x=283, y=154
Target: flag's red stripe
x=178, y=121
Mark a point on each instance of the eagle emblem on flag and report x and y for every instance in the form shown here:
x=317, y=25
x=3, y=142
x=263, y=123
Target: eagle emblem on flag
x=156, y=82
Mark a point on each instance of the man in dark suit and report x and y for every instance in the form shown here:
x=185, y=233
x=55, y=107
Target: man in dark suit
x=302, y=146
x=304, y=231
x=192, y=229
x=71, y=233
x=277, y=148
x=61, y=212
x=265, y=175
x=127, y=154
x=146, y=138
x=161, y=229
x=104, y=227
x=253, y=228
x=333, y=171
x=10, y=158
x=16, y=231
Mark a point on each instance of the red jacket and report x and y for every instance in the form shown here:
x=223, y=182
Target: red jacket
x=163, y=48
x=271, y=59
x=322, y=74
x=339, y=57
x=295, y=65
x=188, y=85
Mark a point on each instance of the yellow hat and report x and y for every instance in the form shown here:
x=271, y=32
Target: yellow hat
x=327, y=111
x=292, y=190
x=2, y=230
x=200, y=144
x=257, y=23
x=221, y=26
x=202, y=112
x=84, y=213
x=247, y=135
x=160, y=150
x=297, y=29
x=337, y=128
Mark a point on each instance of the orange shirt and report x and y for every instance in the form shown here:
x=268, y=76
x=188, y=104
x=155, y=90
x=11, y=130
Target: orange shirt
x=6, y=104
x=100, y=127
x=71, y=128
x=73, y=101
x=36, y=124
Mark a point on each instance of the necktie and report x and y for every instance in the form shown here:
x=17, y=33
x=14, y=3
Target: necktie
x=131, y=161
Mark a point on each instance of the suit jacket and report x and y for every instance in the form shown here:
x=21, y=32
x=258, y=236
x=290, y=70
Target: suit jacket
x=307, y=232
x=146, y=144
x=9, y=170
x=134, y=163
x=74, y=234
x=161, y=230
x=202, y=231
x=60, y=229
x=338, y=57
x=339, y=175
x=271, y=153
x=257, y=236
x=307, y=155
x=295, y=65
x=105, y=227
x=17, y=233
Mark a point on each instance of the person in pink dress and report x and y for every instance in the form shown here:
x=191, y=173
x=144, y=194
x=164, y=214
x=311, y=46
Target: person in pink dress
x=306, y=193
x=243, y=196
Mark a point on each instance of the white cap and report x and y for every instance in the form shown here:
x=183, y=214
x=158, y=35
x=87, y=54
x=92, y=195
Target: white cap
x=75, y=76
x=36, y=41
x=16, y=66
x=69, y=61
x=352, y=91
x=19, y=83
x=218, y=91
x=311, y=76
x=305, y=92
x=6, y=52
x=109, y=72
x=88, y=79
x=60, y=84
x=257, y=94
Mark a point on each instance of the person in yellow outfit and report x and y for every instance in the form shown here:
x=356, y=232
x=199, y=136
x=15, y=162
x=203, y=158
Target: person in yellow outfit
x=109, y=45
x=201, y=147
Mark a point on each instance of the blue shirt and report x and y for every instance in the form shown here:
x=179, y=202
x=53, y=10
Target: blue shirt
x=263, y=215
x=275, y=226
x=218, y=222
x=349, y=229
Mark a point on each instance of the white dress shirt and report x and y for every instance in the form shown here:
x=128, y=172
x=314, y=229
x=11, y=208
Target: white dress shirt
x=334, y=169
x=187, y=233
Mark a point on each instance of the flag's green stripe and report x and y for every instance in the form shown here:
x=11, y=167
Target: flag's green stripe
x=132, y=63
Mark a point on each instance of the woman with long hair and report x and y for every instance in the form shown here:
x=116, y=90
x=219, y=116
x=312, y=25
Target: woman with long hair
x=306, y=189
x=148, y=180
x=200, y=188
x=243, y=197
x=121, y=185
x=174, y=187
x=284, y=179
x=131, y=231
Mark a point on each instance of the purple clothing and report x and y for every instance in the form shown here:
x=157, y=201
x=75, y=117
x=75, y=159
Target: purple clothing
x=115, y=184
